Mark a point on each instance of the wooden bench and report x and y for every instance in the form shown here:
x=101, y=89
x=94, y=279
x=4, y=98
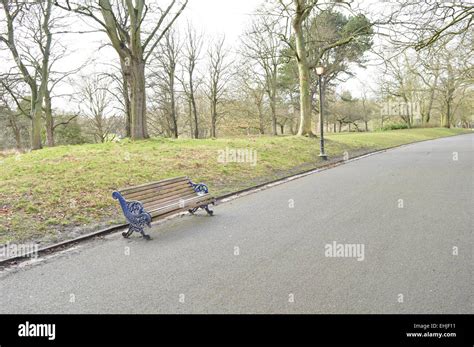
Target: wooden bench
x=157, y=200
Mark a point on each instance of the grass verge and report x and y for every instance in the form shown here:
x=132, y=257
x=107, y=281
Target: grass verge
x=56, y=193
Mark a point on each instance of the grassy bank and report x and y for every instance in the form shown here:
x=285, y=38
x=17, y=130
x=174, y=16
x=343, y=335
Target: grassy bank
x=46, y=195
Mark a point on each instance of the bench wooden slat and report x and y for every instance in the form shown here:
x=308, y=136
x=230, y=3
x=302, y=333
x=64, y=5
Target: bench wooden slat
x=152, y=204
x=180, y=196
x=172, y=196
x=188, y=203
x=173, y=210
x=158, y=193
x=184, y=199
x=156, y=189
x=152, y=185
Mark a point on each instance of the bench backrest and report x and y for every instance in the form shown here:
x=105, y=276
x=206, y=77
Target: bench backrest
x=159, y=194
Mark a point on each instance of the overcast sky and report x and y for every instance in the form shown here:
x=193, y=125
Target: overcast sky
x=217, y=17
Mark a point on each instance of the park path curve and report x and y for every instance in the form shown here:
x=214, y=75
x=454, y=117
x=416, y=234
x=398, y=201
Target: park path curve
x=265, y=252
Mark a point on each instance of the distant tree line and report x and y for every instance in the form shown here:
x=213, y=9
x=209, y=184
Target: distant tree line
x=175, y=81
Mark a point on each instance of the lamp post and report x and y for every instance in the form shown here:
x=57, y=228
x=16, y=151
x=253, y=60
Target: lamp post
x=322, y=154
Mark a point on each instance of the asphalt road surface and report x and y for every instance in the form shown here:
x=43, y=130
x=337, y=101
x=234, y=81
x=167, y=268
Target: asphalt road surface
x=411, y=209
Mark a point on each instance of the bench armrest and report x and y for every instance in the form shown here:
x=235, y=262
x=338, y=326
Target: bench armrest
x=133, y=210
x=200, y=188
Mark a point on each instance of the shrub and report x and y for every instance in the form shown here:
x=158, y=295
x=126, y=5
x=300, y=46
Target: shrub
x=395, y=126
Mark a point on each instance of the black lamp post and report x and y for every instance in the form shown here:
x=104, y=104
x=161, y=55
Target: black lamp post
x=322, y=154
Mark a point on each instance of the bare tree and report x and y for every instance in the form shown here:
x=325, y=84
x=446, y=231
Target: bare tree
x=428, y=70
x=56, y=79
x=219, y=75
x=95, y=105
x=423, y=23
x=367, y=109
x=346, y=111
x=123, y=22
x=164, y=75
x=254, y=86
x=262, y=44
x=456, y=76
x=119, y=91
x=401, y=85
x=430, y=81
x=10, y=96
x=191, y=56
x=14, y=14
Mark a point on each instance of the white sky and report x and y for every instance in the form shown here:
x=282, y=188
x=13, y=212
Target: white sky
x=218, y=17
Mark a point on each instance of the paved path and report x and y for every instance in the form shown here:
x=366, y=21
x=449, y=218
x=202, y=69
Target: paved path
x=281, y=250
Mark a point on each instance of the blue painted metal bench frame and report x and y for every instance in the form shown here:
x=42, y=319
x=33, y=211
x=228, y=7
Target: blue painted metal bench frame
x=178, y=198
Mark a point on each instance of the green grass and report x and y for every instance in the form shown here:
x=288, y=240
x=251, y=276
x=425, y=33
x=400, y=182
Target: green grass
x=44, y=194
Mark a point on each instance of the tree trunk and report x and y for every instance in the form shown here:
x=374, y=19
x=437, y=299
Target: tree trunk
x=132, y=62
x=194, y=107
x=303, y=70
x=126, y=98
x=273, y=110
x=447, y=118
x=190, y=116
x=36, y=111
x=305, y=100
x=213, y=118
x=138, y=100
x=43, y=93
x=430, y=104
x=49, y=120
x=173, y=105
x=260, y=119
x=16, y=132
x=272, y=95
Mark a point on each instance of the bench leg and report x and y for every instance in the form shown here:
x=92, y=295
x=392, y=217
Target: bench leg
x=145, y=236
x=136, y=228
x=193, y=210
x=128, y=233
x=209, y=211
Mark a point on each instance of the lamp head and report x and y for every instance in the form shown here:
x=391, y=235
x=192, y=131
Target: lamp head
x=320, y=70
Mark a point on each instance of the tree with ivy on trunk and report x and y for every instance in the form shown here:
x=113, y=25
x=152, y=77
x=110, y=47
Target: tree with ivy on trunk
x=302, y=9
x=123, y=22
x=327, y=39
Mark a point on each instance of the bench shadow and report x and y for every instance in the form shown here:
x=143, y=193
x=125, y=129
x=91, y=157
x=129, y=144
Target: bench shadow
x=175, y=229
